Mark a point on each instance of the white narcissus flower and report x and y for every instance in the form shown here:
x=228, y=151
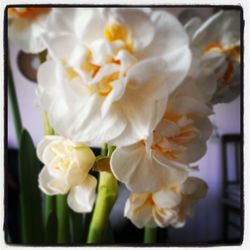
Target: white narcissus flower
x=165, y=157
x=66, y=171
x=216, y=56
x=167, y=207
x=110, y=73
x=26, y=26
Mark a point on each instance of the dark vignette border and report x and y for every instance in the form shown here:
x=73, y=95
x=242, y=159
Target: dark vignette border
x=6, y=62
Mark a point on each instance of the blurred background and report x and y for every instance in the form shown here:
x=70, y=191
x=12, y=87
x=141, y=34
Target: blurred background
x=217, y=219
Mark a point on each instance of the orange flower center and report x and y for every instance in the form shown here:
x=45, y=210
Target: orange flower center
x=232, y=54
x=26, y=12
x=112, y=32
x=176, y=143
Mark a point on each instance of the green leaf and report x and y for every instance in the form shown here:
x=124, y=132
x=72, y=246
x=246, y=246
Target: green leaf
x=77, y=227
x=12, y=97
x=30, y=195
x=51, y=229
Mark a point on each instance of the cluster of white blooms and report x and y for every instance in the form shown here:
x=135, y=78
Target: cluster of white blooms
x=138, y=79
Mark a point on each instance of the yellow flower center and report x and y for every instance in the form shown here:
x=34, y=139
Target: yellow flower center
x=115, y=32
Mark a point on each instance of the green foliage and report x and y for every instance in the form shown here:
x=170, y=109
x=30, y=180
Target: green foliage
x=30, y=195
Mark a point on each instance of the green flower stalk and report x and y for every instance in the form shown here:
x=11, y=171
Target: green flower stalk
x=150, y=235
x=107, y=195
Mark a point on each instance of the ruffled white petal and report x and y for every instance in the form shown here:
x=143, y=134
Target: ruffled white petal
x=194, y=187
x=82, y=197
x=141, y=172
x=223, y=22
x=166, y=198
x=51, y=186
x=169, y=35
x=65, y=104
x=138, y=23
x=28, y=33
x=139, y=214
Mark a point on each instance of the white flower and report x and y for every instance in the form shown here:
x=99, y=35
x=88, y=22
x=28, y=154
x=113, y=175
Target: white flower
x=26, y=26
x=66, y=170
x=216, y=62
x=165, y=157
x=111, y=72
x=169, y=206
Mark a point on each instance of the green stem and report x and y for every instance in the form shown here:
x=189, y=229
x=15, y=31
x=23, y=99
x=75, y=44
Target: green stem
x=63, y=233
x=78, y=231
x=14, y=106
x=50, y=219
x=104, y=149
x=48, y=130
x=150, y=235
x=107, y=195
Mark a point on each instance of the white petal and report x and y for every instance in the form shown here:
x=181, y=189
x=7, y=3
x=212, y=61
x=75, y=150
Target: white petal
x=47, y=140
x=142, y=114
x=167, y=128
x=89, y=24
x=28, y=33
x=164, y=217
x=192, y=25
x=140, y=216
x=175, y=165
x=195, y=188
x=148, y=78
x=166, y=198
x=160, y=76
x=102, y=50
x=82, y=197
x=132, y=166
x=115, y=95
x=85, y=157
x=219, y=25
x=104, y=71
x=138, y=23
x=194, y=151
x=141, y=173
x=65, y=104
x=169, y=35
x=51, y=186
x=189, y=105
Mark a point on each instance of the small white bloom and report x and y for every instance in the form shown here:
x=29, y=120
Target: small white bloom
x=26, y=26
x=216, y=62
x=66, y=170
x=111, y=72
x=165, y=157
x=167, y=207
